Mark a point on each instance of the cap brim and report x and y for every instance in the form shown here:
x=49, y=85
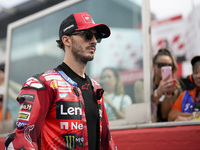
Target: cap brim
x=195, y=59
x=102, y=29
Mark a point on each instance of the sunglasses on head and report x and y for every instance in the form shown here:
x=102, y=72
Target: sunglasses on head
x=163, y=64
x=88, y=35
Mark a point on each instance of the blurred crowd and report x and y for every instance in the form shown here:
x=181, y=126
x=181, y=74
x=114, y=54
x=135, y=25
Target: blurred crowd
x=171, y=100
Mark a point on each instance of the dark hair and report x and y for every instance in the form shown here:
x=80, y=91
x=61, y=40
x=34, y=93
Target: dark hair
x=166, y=52
x=60, y=44
x=195, y=66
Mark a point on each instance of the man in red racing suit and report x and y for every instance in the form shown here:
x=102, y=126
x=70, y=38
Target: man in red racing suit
x=62, y=109
x=56, y=98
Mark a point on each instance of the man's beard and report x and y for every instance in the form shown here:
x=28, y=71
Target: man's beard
x=78, y=53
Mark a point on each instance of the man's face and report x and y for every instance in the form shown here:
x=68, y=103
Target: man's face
x=82, y=49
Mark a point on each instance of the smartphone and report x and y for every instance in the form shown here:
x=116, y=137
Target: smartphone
x=166, y=70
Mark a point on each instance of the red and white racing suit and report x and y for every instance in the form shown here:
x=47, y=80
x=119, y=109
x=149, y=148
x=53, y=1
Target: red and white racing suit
x=52, y=115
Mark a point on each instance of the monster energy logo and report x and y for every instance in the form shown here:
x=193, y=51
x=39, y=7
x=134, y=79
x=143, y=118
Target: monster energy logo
x=72, y=140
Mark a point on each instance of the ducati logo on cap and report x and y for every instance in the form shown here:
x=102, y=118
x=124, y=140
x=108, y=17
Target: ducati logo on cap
x=87, y=19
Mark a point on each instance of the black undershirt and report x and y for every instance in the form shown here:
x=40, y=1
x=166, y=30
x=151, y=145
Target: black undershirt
x=91, y=106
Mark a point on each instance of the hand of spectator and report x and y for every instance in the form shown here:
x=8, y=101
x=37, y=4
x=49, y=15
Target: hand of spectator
x=183, y=118
x=197, y=115
x=168, y=85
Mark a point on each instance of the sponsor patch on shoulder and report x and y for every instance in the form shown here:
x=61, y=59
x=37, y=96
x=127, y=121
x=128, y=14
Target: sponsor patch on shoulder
x=60, y=83
x=33, y=83
x=26, y=106
x=21, y=124
x=24, y=116
x=54, y=84
x=28, y=97
x=63, y=95
x=52, y=77
x=64, y=89
x=49, y=73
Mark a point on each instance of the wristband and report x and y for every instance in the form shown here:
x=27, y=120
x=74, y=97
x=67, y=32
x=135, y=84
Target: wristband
x=161, y=99
x=155, y=93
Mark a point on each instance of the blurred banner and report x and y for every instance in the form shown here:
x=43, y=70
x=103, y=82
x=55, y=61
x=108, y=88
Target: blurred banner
x=181, y=36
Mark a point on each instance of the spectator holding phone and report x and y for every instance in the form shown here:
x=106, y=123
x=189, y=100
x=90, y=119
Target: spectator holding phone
x=166, y=89
x=187, y=105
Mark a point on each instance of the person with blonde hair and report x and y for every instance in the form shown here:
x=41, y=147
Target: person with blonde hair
x=165, y=91
x=114, y=96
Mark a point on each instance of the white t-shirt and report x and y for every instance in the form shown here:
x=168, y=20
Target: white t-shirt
x=119, y=102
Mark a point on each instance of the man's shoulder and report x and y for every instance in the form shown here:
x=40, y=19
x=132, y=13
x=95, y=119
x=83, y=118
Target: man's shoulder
x=34, y=82
x=38, y=81
x=50, y=75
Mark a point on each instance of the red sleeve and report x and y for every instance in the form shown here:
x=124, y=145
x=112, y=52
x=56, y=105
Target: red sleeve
x=34, y=106
x=178, y=104
x=107, y=142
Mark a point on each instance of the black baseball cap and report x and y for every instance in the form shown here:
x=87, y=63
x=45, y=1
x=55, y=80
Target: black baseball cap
x=195, y=59
x=82, y=21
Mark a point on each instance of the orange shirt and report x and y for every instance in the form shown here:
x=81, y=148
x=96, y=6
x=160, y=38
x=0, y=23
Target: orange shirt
x=178, y=104
x=8, y=116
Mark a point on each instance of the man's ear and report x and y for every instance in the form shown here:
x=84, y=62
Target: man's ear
x=66, y=40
